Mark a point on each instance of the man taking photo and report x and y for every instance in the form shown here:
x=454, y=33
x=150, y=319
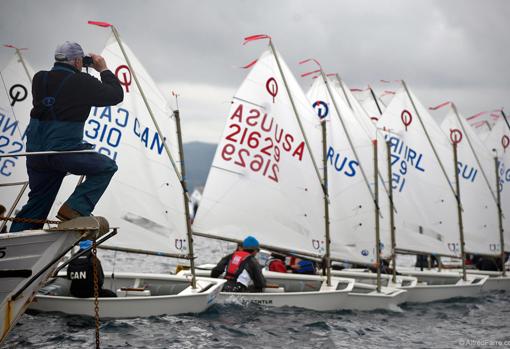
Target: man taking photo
x=62, y=99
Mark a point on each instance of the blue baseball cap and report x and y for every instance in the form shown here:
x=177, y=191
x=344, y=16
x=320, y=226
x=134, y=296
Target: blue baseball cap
x=250, y=243
x=85, y=244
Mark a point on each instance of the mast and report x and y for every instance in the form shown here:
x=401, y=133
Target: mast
x=459, y=207
x=500, y=217
x=473, y=150
x=376, y=174
x=377, y=214
x=375, y=100
x=324, y=189
x=185, y=198
x=392, y=215
x=326, y=196
x=22, y=61
x=167, y=150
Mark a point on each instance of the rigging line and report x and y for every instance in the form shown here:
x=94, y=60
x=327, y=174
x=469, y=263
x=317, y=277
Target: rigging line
x=349, y=139
x=430, y=141
x=11, y=106
x=18, y=52
x=474, y=152
x=147, y=105
x=381, y=178
x=296, y=114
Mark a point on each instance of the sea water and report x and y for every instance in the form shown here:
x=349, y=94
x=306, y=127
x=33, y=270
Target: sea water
x=470, y=323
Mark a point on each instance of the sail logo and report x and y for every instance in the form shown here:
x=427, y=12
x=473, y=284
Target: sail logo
x=10, y=143
x=403, y=157
x=505, y=142
x=318, y=245
x=455, y=135
x=406, y=118
x=321, y=109
x=454, y=246
x=342, y=164
x=180, y=244
x=18, y=93
x=272, y=87
x=494, y=247
x=125, y=80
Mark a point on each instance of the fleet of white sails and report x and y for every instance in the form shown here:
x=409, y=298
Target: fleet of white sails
x=268, y=177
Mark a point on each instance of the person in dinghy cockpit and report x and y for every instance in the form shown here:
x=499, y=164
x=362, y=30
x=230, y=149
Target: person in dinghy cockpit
x=241, y=269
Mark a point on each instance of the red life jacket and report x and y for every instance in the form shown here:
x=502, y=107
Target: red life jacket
x=235, y=262
x=277, y=265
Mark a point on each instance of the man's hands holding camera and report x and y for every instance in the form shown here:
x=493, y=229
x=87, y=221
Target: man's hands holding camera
x=98, y=62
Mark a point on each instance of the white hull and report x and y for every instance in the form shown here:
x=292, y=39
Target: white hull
x=31, y=251
x=495, y=281
x=364, y=295
x=305, y=291
x=325, y=298
x=169, y=294
x=436, y=286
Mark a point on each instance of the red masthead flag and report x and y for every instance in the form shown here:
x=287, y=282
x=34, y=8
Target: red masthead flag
x=100, y=24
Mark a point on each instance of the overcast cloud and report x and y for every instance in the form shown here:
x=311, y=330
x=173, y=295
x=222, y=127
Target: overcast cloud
x=446, y=50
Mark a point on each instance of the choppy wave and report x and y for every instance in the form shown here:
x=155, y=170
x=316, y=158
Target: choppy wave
x=444, y=324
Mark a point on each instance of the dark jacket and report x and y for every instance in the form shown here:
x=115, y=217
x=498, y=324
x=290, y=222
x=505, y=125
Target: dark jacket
x=249, y=264
x=59, y=126
x=81, y=273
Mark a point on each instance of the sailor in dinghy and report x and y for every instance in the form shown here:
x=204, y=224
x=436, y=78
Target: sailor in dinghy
x=241, y=269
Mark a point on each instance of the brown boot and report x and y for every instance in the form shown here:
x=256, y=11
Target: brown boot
x=66, y=213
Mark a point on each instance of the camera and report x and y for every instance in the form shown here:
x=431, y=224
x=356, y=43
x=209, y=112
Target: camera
x=87, y=61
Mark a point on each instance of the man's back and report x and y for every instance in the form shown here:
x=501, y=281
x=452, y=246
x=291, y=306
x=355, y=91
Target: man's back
x=62, y=99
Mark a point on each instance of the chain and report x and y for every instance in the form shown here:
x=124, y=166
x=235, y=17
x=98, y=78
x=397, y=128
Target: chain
x=96, y=290
x=28, y=220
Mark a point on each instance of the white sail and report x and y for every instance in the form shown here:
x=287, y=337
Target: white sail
x=352, y=209
x=426, y=219
x=480, y=215
x=498, y=142
x=144, y=197
x=262, y=181
x=15, y=106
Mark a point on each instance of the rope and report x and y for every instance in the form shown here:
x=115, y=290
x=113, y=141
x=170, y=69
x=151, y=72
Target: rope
x=96, y=290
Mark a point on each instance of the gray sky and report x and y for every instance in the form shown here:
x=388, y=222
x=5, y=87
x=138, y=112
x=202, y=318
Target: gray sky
x=446, y=50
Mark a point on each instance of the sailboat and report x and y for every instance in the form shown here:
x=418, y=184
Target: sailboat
x=27, y=258
x=265, y=182
x=358, y=232
x=480, y=204
x=147, y=199
x=425, y=198
x=15, y=106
